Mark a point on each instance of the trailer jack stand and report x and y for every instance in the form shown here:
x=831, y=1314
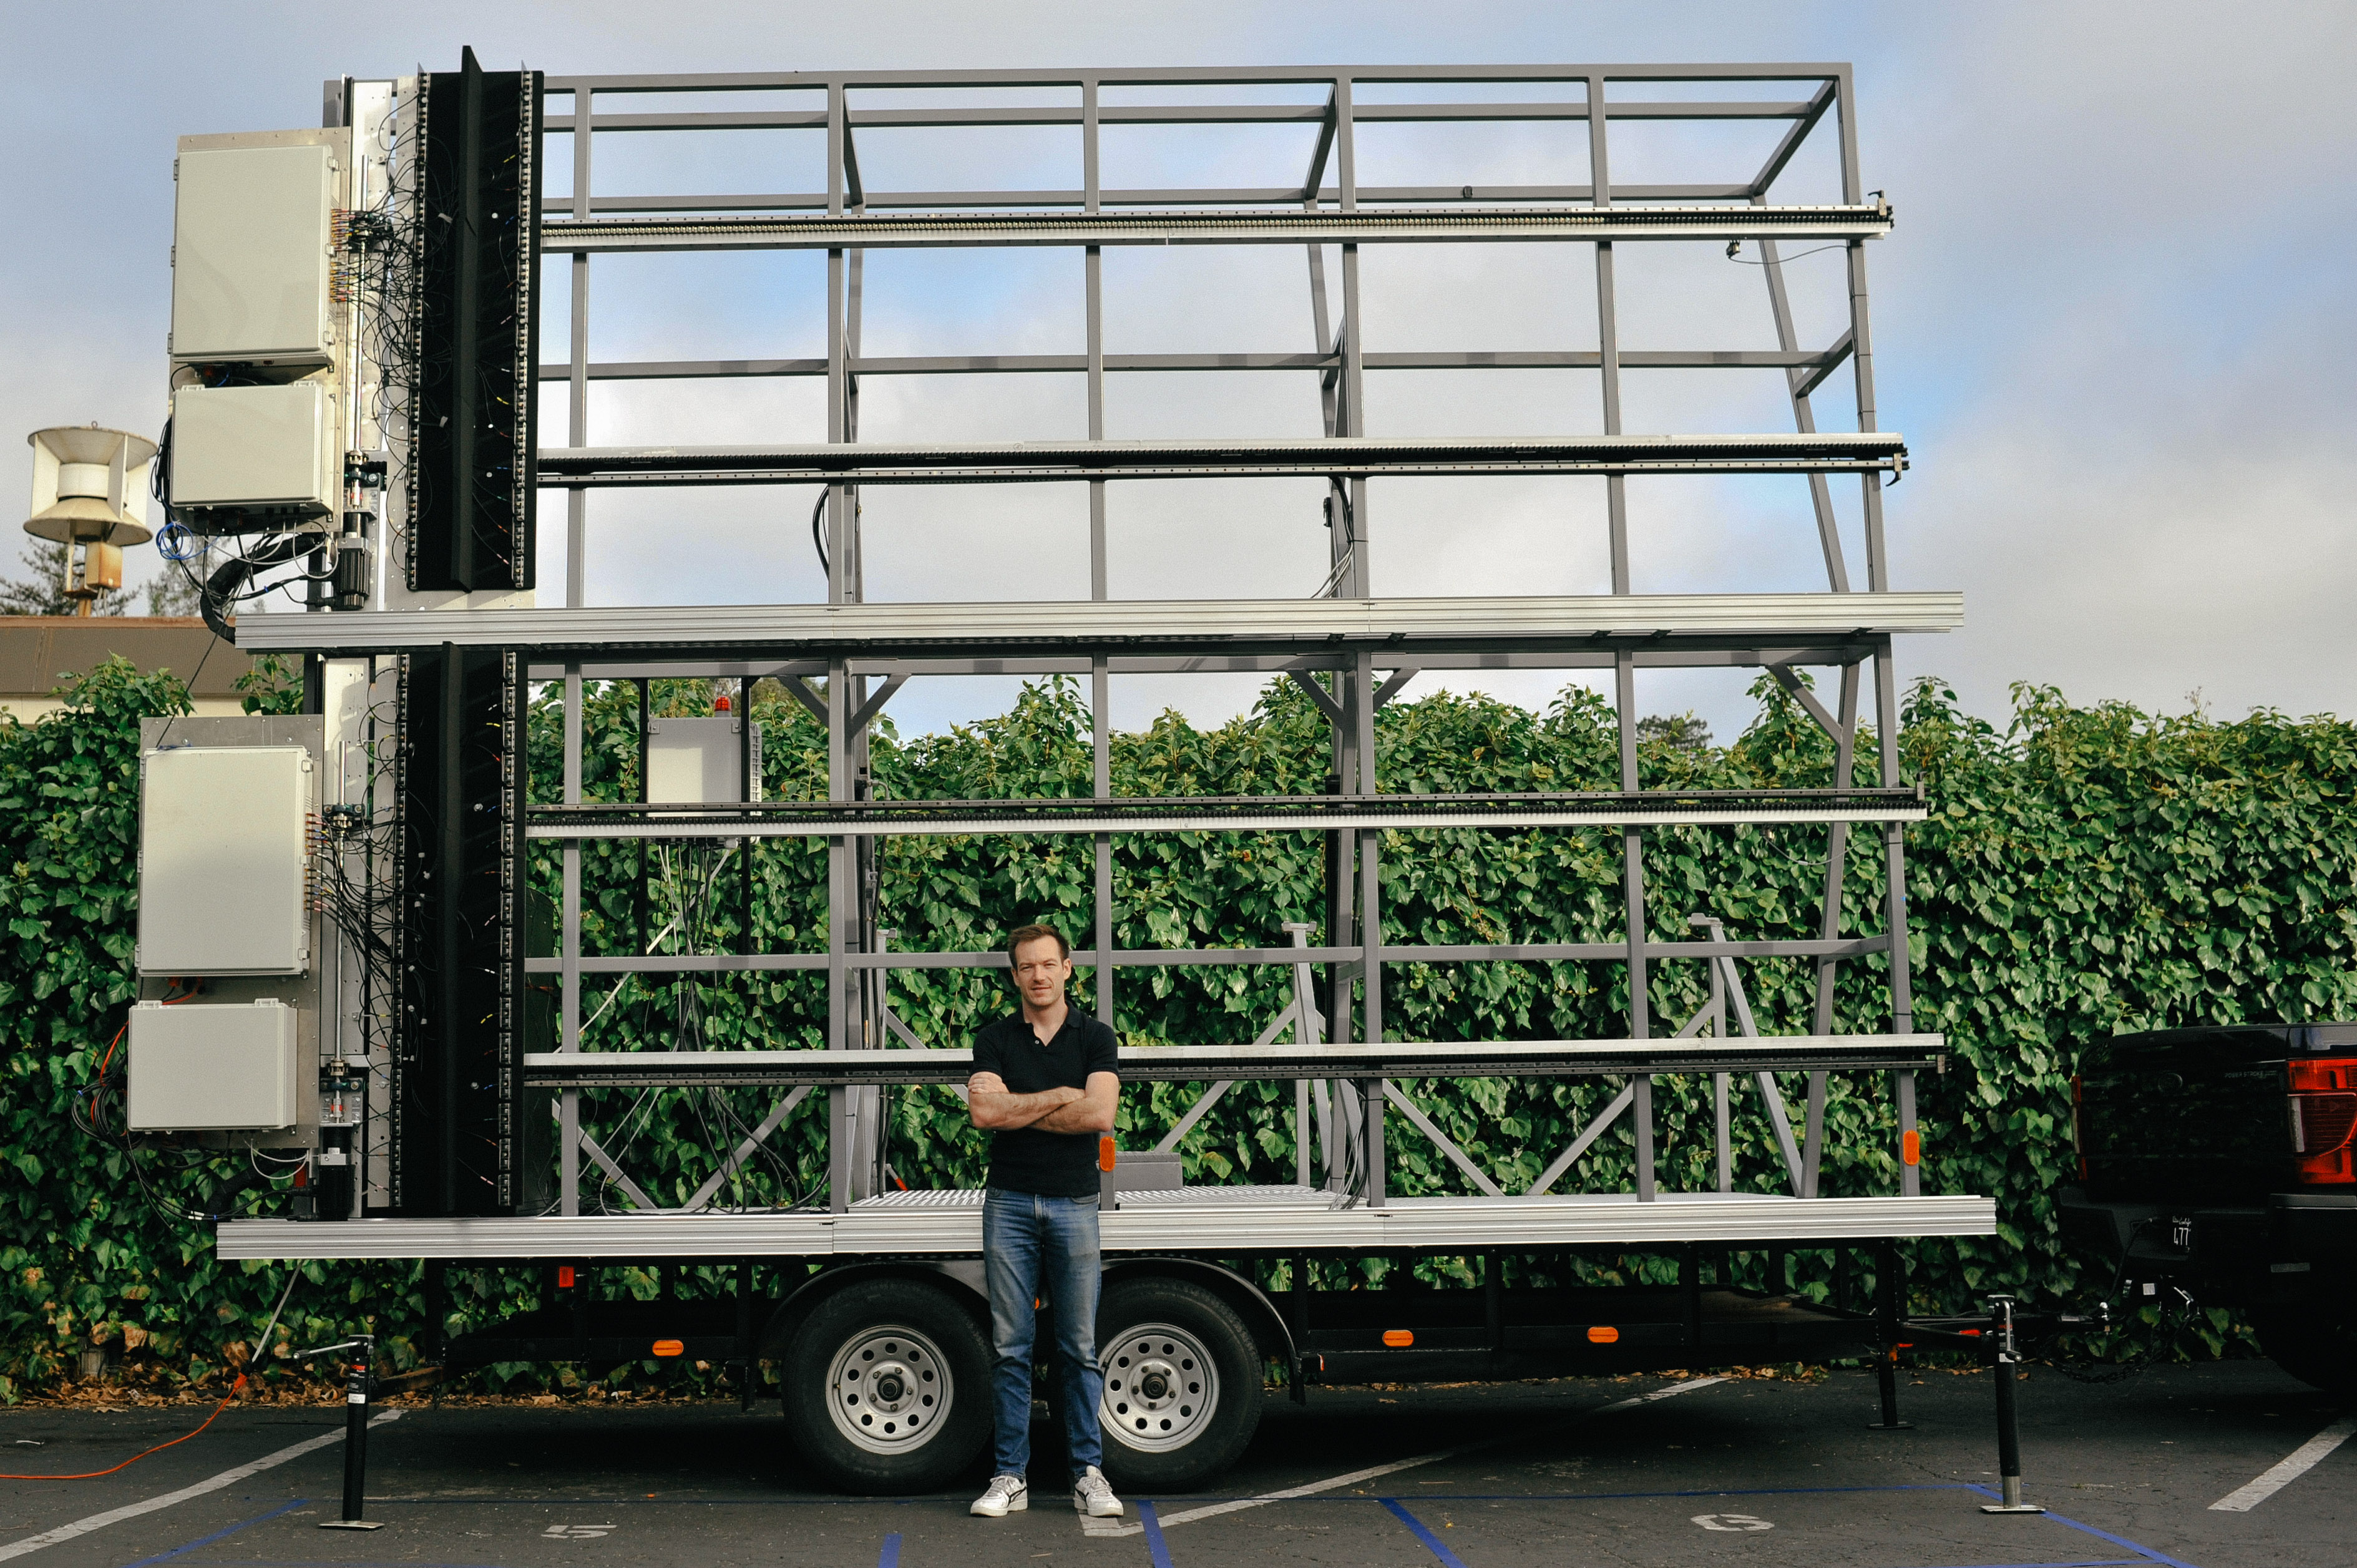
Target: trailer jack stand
x=1886, y=1374
x=2008, y=1436
x=357, y=1386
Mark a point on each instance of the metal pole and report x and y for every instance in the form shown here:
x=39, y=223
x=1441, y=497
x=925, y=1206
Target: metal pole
x=1999, y=1336
x=1889, y=1297
x=1910, y=1143
x=357, y=1388
x=1641, y=1108
x=576, y=500
x=1100, y=681
x=569, y=1025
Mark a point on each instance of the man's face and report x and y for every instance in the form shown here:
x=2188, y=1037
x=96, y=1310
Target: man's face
x=1040, y=971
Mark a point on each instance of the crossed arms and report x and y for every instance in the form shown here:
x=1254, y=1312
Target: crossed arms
x=1059, y=1109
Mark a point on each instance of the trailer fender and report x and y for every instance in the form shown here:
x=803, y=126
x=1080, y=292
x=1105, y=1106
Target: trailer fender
x=1250, y=1303
x=964, y=1275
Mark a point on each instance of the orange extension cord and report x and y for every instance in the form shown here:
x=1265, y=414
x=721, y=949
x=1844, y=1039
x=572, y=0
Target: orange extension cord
x=95, y=1475
x=233, y=1388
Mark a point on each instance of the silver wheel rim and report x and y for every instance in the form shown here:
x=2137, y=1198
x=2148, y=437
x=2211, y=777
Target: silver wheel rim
x=890, y=1390
x=1161, y=1388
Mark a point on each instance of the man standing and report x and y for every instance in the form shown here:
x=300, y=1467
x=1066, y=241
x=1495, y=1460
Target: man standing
x=1045, y=1082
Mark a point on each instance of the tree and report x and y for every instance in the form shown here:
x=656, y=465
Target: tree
x=1679, y=731
x=172, y=592
x=43, y=592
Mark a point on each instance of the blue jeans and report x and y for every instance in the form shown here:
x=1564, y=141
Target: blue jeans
x=1034, y=1246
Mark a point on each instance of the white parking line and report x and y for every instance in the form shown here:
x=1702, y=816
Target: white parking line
x=33, y=1544
x=1105, y=1527
x=2300, y=1461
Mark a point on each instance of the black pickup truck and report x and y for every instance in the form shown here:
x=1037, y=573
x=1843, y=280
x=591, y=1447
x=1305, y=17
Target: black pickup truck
x=2221, y=1162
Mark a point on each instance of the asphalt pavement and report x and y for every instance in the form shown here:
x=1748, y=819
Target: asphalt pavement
x=1761, y=1472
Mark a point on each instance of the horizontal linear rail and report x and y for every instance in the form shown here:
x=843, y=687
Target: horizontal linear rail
x=1817, y=361
x=1174, y=196
x=1029, y=462
x=1419, y=226
x=1823, y=653
x=1191, y=1064
x=1402, y=1224
x=1397, y=627
x=1321, y=76
x=1282, y=813
x=1219, y=957
x=1178, y=114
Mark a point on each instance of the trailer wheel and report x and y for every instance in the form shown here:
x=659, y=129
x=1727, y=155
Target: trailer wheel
x=2315, y=1344
x=887, y=1386
x=1182, y=1384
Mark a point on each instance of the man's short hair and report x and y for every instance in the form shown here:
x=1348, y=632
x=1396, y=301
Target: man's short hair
x=1022, y=934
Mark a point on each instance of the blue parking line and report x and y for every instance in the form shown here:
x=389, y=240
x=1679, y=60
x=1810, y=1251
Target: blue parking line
x=889, y=1557
x=219, y=1534
x=1154, y=1545
x=2145, y=1552
x=1422, y=1534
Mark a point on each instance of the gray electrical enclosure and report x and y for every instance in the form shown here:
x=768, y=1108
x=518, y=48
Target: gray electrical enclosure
x=267, y=448
x=253, y=247
x=207, y=1067
x=701, y=761
x=224, y=860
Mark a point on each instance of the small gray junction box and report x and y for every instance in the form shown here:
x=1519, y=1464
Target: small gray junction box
x=224, y=860
x=201, y=1067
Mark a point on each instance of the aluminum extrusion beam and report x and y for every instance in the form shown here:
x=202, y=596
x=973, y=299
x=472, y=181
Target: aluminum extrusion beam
x=1179, y=114
x=820, y=818
x=1819, y=364
x=1420, y=226
x=1387, y=626
x=1402, y=1224
x=1033, y=461
x=1192, y=76
x=1191, y=1064
x=1179, y=196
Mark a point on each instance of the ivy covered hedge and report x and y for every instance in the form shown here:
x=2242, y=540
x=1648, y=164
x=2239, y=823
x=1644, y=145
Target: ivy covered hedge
x=2086, y=870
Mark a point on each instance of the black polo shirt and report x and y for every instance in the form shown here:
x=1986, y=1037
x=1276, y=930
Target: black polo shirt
x=1025, y=1159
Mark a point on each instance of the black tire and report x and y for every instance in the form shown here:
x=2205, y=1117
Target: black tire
x=1182, y=1384
x=925, y=1357
x=2315, y=1344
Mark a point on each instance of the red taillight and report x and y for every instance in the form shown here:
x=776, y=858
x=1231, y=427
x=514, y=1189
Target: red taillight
x=2322, y=1100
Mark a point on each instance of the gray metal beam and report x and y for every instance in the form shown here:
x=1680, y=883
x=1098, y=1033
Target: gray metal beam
x=1032, y=461
x=1176, y=114
x=1397, y=627
x=1419, y=226
x=1200, y=1064
x=1139, y=196
x=1817, y=363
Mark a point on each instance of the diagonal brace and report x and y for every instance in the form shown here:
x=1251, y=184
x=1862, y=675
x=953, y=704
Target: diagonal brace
x=1563, y=1162
x=744, y=1150
x=631, y=1189
x=1440, y=1141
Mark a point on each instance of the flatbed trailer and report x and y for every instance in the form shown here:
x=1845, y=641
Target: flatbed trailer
x=437, y=1129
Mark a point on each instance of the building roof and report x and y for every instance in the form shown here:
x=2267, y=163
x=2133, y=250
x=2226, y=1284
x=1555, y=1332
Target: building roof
x=38, y=653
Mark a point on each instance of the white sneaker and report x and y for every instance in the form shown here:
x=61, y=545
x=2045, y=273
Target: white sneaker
x=1093, y=1496
x=1006, y=1495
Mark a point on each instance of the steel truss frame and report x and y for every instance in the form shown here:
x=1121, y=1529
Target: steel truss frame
x=1367, y=648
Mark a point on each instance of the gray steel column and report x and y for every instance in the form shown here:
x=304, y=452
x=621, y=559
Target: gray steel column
x=1353, y=367
x=1624, y=666
x=1641, y=1108
x=1100, y=681
x=842, y=1146
x=1370, y=921
x=576, y=502
x=1894, y=846
x=1829, y=922
x=568, y=1014
x=1910, y=1175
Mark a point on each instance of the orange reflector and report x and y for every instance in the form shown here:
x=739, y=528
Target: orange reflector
x=1106, y=1153
x=1603, y=1334
x=670, y=1347
x=565, y=1276
x=1398, y=1338
x=1910, y=1146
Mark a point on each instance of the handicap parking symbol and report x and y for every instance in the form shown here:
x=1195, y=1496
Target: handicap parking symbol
x=1731, y=1521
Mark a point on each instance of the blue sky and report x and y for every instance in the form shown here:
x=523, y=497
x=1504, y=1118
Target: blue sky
x=2115, y=321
